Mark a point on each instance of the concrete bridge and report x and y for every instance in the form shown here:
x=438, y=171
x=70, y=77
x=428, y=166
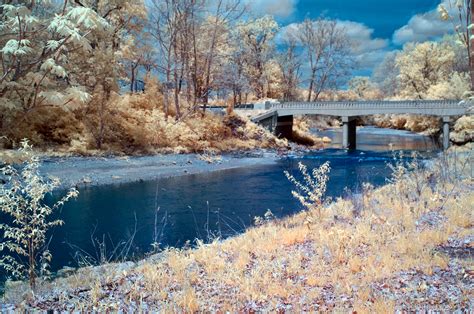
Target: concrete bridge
x=279, y=117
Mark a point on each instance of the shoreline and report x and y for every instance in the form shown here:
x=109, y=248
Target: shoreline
x=81, y=172
x=292, y=238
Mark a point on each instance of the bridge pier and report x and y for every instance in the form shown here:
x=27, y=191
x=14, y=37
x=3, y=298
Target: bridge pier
x=348, y=133
x=284, y=127
x=446, y=121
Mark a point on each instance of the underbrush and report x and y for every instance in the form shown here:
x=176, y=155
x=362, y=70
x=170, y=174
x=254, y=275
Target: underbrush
x=420, y=124
x=353, y=254
x=303, y=136
x=132, y=124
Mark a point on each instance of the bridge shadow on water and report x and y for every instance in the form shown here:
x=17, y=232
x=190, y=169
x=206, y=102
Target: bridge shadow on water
x=382, y=140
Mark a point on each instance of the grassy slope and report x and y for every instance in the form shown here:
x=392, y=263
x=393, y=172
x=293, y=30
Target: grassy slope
x=405, y=245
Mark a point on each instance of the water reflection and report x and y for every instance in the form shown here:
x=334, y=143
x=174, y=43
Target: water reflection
x=377, y=139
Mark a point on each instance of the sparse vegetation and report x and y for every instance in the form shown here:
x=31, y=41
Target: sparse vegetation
x=393, y=254
x=24, y=246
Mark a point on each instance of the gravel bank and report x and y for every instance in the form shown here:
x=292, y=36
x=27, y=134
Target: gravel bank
x=92, y=171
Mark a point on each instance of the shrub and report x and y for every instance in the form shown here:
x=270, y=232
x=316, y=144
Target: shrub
x=43, y=126
x=24, y=235
x=310, y=191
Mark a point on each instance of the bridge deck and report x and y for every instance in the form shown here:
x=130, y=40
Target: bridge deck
x=363, y=108
x=279, y=117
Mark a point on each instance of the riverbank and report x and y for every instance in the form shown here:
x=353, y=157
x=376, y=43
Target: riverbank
x=405, y=246
x=93, y=171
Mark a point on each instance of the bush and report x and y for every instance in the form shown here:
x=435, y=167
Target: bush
x=43, y=126
x=22, y=199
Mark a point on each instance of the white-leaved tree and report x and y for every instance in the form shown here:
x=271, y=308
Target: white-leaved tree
x=422, y=66
x=61, y=56
x=37, y=41
x=461, y=14
x=257, y=41
x=23, y=250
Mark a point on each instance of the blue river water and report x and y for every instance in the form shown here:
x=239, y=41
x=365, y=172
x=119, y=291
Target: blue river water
x=176, y=211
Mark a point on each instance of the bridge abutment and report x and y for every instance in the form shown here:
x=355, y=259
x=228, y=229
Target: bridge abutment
x=284, y=127
x=349, y=133
x=446, y=121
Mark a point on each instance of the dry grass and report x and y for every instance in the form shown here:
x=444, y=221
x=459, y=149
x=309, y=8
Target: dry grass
x=302, y=134
x=344, y=260
x=423, y=124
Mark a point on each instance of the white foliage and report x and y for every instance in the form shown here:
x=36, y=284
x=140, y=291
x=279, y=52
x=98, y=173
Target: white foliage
x=50, y=66
x=311, y=189
x=17, y=47
x=13, y=11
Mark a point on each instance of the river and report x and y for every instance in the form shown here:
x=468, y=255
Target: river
x=176, y=211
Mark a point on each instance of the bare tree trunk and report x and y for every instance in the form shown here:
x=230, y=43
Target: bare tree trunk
x=165, y=100
x=31, y=271
x=176, y=83
x=471, y=41
x=311, y=85
x=234, y=100
x=167, y=86
x=132, y=78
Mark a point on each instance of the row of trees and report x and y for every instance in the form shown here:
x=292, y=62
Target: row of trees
x=429, y=70
x=209, y=48
x=69, y=58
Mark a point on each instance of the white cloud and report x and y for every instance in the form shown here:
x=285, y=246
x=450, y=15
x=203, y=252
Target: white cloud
x=278, y=8
x=423, y=27
x=361, y=36
x=369, y=60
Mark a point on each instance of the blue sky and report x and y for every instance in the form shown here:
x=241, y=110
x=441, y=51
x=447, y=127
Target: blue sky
x=380, y=26
x=383, y=16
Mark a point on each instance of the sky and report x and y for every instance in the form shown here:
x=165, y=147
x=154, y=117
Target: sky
x=381, y=26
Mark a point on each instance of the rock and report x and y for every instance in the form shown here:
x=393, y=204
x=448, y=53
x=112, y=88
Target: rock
x=66, y=271
x=463, y=130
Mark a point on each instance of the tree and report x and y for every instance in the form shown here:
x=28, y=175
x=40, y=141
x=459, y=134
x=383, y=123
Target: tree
x=290, y=64
x=225, y=13
x=137, y=56
x=422, y=66
x=386, y=75
x=101, y=68
x=22, y=199
x=327, y=47
x=256, y=39
x=232, y=77
x=63, y=54
x=36, y=64
x=360, y=85
x=461, y=14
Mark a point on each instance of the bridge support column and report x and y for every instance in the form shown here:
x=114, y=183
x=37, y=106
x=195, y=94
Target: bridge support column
x=284, y=127
x=348, y=133
x=446, y=121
